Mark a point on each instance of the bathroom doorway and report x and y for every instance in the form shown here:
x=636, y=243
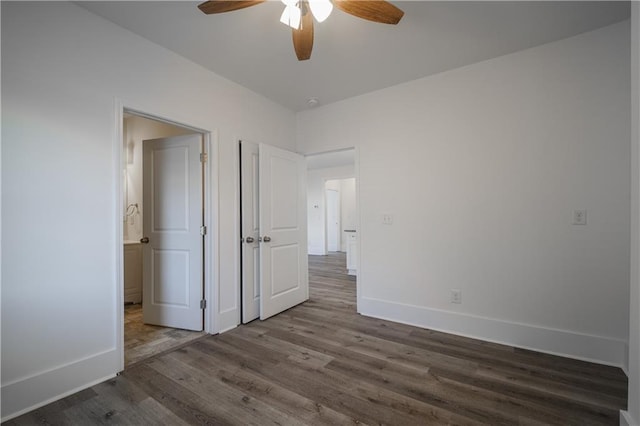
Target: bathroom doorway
x=150, y=291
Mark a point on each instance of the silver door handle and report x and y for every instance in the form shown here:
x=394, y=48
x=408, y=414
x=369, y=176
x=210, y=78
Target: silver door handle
x=249, y=240
x=266, y=239
x=144, y=240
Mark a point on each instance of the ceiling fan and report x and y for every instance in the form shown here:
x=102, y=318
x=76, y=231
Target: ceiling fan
x=299, y=14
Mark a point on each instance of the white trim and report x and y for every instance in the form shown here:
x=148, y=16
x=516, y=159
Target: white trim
x=237, y=232
x=228, y=320
x=27, y=394
x=118, y=196
x=633, y=356
x=626, y=420
x=211, y=216
x=359, y=277
x=211, y=241
x=598, y=349
x=315, y=252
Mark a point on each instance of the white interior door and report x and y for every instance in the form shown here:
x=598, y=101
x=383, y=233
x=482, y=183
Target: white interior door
x=333, y=220
x=250, y=232
x=172, y=220
x=284, y=279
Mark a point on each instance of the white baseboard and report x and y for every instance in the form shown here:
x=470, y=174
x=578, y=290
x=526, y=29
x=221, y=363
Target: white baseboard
x=35, y=391
x=227, y=320
x=626, y=420
x=565, y=343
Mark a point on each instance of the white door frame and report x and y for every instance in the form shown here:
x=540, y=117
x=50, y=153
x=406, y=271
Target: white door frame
x=211, y=220
x=356, y=156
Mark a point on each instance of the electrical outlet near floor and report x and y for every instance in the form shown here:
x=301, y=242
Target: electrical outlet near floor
x=580, y=217
x=456, y=295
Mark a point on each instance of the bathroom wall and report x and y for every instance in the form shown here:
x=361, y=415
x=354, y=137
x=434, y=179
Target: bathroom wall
x=135, y=130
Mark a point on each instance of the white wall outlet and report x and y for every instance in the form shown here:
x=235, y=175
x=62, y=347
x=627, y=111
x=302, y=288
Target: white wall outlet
x=387, y=219
x=580, y=217
x=456, y=295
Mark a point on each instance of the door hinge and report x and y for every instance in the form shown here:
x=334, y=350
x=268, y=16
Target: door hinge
x=203, y=157
x=203, y=230
x=203, y=304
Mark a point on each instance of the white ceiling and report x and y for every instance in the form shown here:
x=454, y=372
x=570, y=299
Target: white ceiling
x=352, y=56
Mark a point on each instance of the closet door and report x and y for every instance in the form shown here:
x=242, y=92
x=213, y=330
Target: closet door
x=250, y=231
x=284, y=280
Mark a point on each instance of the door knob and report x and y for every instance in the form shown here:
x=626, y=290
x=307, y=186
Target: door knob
x=249, y=239
x=266, y=239
x=144, y=240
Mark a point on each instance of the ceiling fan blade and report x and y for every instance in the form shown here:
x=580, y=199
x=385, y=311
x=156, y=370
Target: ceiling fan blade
x=219, y=6
x=371, y=10
x=303, y=38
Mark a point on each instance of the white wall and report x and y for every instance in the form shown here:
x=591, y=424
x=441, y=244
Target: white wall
x=481, y=168
x=63, y=71
x=316, y=208
x=137, y=129
x=632, y=415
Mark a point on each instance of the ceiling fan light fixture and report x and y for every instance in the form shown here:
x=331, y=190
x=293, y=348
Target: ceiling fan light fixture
x=291, y=15
x=321, y=9
x=302, y=34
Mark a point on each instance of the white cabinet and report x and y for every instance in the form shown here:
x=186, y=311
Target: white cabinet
x=352, y=252
x=132, y=272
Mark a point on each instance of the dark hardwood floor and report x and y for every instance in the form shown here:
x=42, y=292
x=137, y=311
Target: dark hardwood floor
x=142, y=340
x=321, y=363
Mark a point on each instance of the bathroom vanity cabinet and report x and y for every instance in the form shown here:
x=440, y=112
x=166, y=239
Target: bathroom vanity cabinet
x=132, y=272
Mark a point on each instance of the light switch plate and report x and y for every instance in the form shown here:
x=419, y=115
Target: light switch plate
x=387, y=219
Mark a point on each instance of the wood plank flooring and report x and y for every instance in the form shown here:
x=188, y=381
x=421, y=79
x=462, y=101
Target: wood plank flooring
x=321, y=363
x=142, y=341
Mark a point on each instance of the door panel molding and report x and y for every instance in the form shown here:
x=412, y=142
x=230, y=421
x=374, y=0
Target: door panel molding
x=172, y=219
x=283, y=219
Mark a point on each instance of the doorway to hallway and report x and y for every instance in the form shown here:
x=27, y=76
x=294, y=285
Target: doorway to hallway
x=332, y=213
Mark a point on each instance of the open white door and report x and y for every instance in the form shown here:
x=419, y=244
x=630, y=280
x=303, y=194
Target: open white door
x=250, y=232
x=284, y=276
x=333, y=220
x=172, y=220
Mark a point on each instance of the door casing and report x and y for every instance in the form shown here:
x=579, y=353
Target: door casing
x=211, y=219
